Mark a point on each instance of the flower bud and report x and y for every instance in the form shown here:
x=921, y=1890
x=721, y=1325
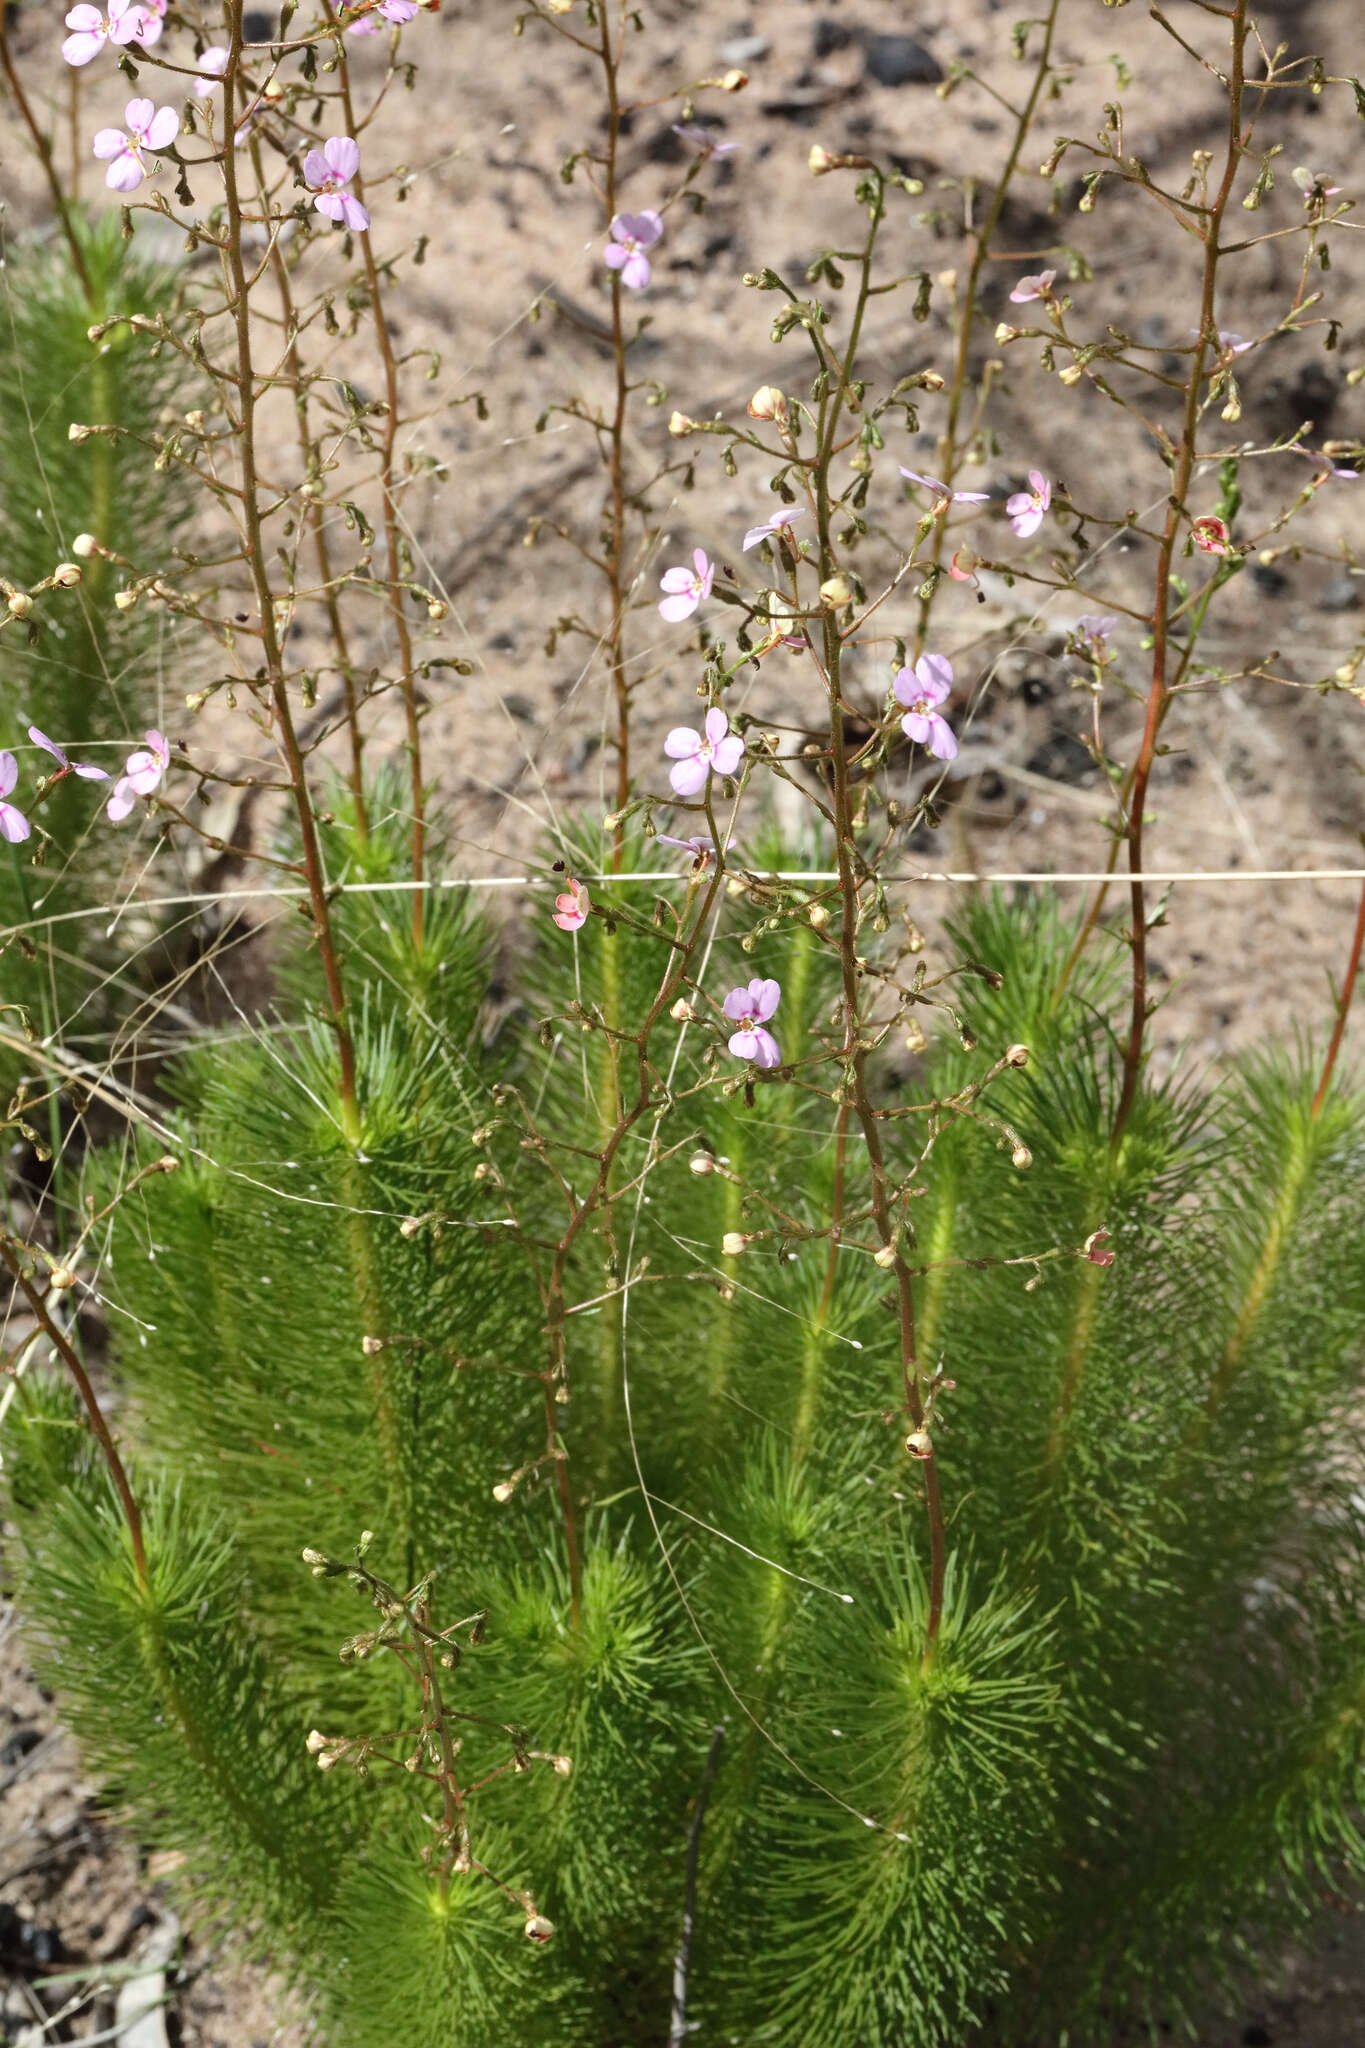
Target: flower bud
x=918, y=1444
x=767, y=403
x=562, y=1766
x=734, y=81
x=1095, y=1250
x=733, y=1243
x=1021, y=1157
x=915, y=1040
x=372, y=1346
x=818, y=915
x=61, y=1278
x=682, y=1012
x=76, y=432
x=835, y=592
x=681, y=424
x=885, y=1257
x=701, y=1163
x=438, y=609
x=1072, y=374
x=66, y=574
x=1004, y=332
x=1016, y=1056
x=410, y=1226
x=538, y=1928
x=503, y=1491
x=20, y=603
x=316, y=1739
x=315, y=1557
x=84, y=545
x=124, y=600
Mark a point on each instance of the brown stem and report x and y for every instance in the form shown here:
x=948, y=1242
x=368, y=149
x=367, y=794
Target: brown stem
x=1343, y=1009
x=43, y=148
x=318, y=526
x=65, y=1350
x=1158, y=700
x=615, y=548
x=392, y=523
x=256, y=562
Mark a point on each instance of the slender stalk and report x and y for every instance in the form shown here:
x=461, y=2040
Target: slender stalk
x=1159, y=696
x=255, y=550
x=1343, y=1009
x=66, y=1351
x=42, y=146
x=677, y=2021
x=392, y=522
x=616, y=471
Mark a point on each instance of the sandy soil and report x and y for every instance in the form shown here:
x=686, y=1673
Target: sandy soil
x=1263, y=774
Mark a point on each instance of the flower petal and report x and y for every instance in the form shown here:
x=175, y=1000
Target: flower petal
x=736, y=1004
x=688, y=778
x=680, y=606
x=40, y=739
x=343, y=156
x=14, y=826
x=765, y=996
x=935, y=674
x=357, y=215
x=109, y=142
x=682, y=743
x=767, y=1052
x=9, y=773
x=163, y=128
x=942, y=744
x=743, y=1044
x=315, y=167
x=717, y=725
x=124, y=173
x=727, y=754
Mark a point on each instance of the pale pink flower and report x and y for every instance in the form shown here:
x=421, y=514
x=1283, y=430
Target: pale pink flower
x=396, y=12
x=142, y=772
x=703, y=139
x=571, y=908
x=943, y=494
x=687, y=588
x=153, y=21
x=92, y=29
x=1210, y=535
x=1033, y=287
x=1026, y=508
x=212, y=65
x=780, y=520
x=84, y=769
x=694, y=754
x=149, y=127
x=1313, y=185
x=1095, y=630
x=699, y=846
x=750, y=1008
x=922, y=689
x=331, y=169
x=14, y=826
x=630, y=235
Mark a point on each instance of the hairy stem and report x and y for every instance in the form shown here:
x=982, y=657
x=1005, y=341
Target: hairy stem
x=1343, y=1009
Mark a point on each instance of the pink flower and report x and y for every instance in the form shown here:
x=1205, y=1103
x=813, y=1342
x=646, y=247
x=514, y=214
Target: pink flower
x=1313, y=185
x=1095, y=629
x=149, y=127
x=703, y=139
x=1210, y=535
x=699, y=846
x=751, y=1008
x=1026, y=508
x=142, y=771
x=331, y=170
x=631, y=234
x=687, y=588
x=696, y=754
x=92, y=30
x=779, y=520
x=571, y=909
x=1033, y=287
x=1095, y=1249
x=212, y=65
x=153, y=20
x=397, y=12
x=84, y=769
x=14, y=826
x=943, y=494
x=922, y=689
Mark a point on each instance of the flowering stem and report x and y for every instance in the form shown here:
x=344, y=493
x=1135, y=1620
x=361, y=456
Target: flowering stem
x=616, y=532
x=1343, y=1009
x=392, y=522
x=318, y=525
x=1159, y=696
x=66, y=1351
x=255, y=551
x=948, y=458
x=855, y=1052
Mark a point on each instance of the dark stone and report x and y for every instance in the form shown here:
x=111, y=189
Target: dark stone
x=44, y=1946
x=1256, y=2036
x=1341, y=594
x=16, y=1747
x=257, y=25
x=900, y=60
x=829, y=36
x=1035, y=689
x=1062, y=758
x=1270, y=581
x=519, y=706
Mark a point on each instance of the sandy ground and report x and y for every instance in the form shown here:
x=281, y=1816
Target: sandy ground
x=1262, y=774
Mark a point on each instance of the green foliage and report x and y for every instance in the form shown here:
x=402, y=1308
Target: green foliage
x=84, y=672
x=1134, y=1746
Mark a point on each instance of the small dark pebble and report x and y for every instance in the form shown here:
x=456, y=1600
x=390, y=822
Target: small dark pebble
x=1341, y=594
x=257, y=25
x=16, y=1747
x=1035, y=689
x=519, y=706
x=1256, y=2036
x=830, y=36
x=1270, y=581
x=900, y=60
x=1062, y=758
